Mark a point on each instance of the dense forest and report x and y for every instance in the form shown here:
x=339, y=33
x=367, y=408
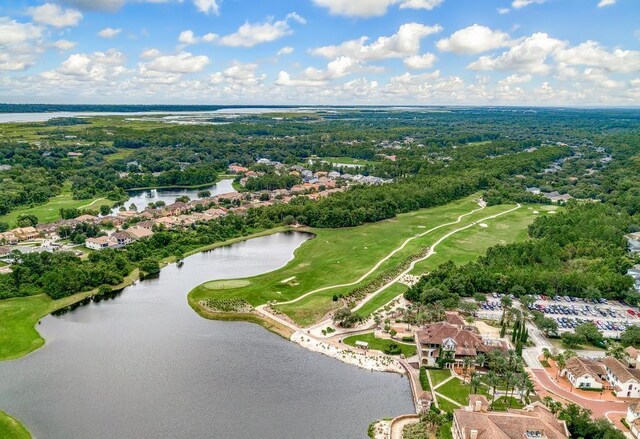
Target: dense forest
x=439, y=156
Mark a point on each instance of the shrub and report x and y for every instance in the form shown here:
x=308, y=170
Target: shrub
x=424, y=380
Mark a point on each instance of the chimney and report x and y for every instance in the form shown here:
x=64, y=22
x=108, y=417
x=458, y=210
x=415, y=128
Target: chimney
x=477, y=406
x=473, y=434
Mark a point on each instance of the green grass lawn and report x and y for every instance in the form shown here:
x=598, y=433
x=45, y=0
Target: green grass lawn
x=408, y=350
x=446, y=406
x=501, y=404
x=444, y=432
x=307, y=311
x=438, y=376
x=337, y=256
x=3, y=264
x=50, y=211
x=11, y=428
x=382, y=298
x=348, y=161
x=456, y=390
x=467, y=245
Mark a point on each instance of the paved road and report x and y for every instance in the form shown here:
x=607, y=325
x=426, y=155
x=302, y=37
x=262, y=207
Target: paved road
x=599, y=408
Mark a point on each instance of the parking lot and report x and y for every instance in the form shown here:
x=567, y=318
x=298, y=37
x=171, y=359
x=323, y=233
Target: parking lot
x=611, y=317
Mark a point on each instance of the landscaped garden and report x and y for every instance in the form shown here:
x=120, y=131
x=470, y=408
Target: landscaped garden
x=382, y=344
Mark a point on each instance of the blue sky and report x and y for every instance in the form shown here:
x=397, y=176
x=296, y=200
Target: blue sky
x=481, y=52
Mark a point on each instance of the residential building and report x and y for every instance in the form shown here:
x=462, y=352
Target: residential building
x=633, y=420
x=623, y=380
x=631, y=355
x=99, y=243
x=451, y=343
x=585, y=373
x=533, y=421
x=139, y=232
x=122, y=238
x=25, y=233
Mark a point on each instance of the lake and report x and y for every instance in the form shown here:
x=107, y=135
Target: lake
x=145, y=365
x=142, y=198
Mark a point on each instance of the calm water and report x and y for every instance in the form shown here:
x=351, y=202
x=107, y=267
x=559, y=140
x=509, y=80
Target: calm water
x=144, y=365
x=142, y=198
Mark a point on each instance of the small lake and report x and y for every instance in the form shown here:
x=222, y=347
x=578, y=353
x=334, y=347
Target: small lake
x=145, y=365
x=142, y=198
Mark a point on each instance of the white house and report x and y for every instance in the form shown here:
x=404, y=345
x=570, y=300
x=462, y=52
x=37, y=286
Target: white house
x=633, y=419
x=584, y=373
x=624, y=381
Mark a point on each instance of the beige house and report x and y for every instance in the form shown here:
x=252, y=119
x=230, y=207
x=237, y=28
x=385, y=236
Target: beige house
x=533, y=421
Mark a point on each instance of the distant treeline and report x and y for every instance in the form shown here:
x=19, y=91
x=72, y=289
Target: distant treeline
x=48, y=108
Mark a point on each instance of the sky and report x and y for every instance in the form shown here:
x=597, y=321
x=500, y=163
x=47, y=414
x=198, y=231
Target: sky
x=347, y=52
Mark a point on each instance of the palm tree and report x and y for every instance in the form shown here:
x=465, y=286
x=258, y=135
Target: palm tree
x=480, y=360
x=561, y=363
x=510, y=380
x=475, y=382
x=493, y=380
x=466, y=365
x=546, y=354
x=506, y=303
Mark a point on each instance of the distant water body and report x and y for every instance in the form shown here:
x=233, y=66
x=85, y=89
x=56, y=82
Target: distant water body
x=145, y=365
x=43, y=117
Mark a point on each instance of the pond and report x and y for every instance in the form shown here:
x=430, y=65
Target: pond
x=145, y=365
x=142, y=198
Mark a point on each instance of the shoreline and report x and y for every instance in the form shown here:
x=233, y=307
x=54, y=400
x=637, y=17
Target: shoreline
x=54, y=305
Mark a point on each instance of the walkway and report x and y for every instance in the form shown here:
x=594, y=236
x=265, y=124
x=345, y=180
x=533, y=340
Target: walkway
x=599, y=408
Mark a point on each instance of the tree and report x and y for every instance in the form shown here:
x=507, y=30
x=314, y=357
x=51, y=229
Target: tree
x=105, y=210
x=615, y=350
x=27, y=220
x=572, y=340
x=506, y=302
x=479, y=297
x=204, y=194
x=561, y=363
x=133, y=207
x=493, y=381
x=475, y=382
x=150, y=266
x=631, y=336
x=527, y=300
x=468, y=307
x=4, y=226
x=591, y=333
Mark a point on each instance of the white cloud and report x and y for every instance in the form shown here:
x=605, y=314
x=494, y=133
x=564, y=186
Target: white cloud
x=590, y=53
x=241, y=74
x=251, y=34
x=404, y=43
x=63, y=45
x=12, y=32
x=285, y=51
x=517, y=4
x=503, y=11
x=420, y=4
x=53, y=15
x=604, y=3
x=284, y=80
x=529, y=55
x=474, y=39
x=109, y=32
x=372, y=8
x=187, y=37
x=183, y=62
x=82, y=67
x=96, y=5
x=419, y=62
x=207, y=6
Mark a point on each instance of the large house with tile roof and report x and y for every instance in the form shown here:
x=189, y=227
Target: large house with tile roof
x=535, y=421
x=451, y=343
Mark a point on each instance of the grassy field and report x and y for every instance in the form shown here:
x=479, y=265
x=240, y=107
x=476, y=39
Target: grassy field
x=381, y=299
x=346, y=254
x=313, y=308
x=438, y=376
x=446, y=406
x=380, y=344
x=501, y=404
x=11, y=428
x=469, y=244
x=50, y=211
x=348, y=161
x=456, y=390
